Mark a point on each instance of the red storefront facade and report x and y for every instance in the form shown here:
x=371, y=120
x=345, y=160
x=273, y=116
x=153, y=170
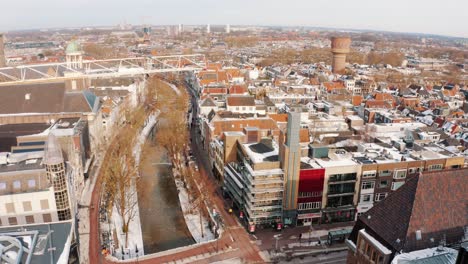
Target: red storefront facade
x=309, y=201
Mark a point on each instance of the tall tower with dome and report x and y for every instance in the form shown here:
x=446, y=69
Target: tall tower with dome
x=74, y=55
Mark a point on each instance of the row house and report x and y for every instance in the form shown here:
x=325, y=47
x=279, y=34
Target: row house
x=242, y=104
x=341, y=186
x=384, y=170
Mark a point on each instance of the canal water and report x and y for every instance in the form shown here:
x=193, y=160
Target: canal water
x=162, y=221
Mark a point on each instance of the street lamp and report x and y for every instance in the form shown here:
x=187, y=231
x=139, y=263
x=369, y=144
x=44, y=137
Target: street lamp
x=310, y=233
x=277, y=237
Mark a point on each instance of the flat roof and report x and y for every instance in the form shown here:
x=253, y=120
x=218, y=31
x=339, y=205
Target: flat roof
x=260, y=152
x=48, y=242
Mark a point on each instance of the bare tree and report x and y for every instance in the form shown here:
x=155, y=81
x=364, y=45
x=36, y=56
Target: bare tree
x=120, y=174
x=121, y=167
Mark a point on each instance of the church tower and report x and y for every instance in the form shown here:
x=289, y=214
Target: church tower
x=74, y=55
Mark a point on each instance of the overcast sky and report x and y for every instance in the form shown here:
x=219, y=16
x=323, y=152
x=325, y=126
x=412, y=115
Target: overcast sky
x=444, y=17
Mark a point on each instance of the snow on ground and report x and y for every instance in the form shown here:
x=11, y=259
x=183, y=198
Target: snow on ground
x=143, y=135
x=135, y=236
x=192, y=219
x=176, y=90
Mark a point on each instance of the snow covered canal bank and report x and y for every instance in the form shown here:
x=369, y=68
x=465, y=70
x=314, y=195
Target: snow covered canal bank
x=197, y=224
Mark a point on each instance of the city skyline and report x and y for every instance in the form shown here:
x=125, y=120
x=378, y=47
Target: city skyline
x=439, y=18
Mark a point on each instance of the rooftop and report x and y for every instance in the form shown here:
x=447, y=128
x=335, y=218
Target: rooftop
x=44, y=243
x=432, y=203
x=261, y=152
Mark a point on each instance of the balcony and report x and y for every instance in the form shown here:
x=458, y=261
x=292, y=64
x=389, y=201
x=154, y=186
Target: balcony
x=338, y=189
x=341, y=178
x=262, y=198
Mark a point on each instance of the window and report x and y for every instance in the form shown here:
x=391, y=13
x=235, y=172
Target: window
x=29, y=219
x=308, y=206
x=309, y=194
x=44, y=204
x=366, y=198
x=27, y=206
x=2, y=185
x=383, y=184
x=380, y=196
x=47, y=218
x=368, y=250
x=362, y=245
x=368, y=185
x=243, y=108
x=16, y=184
x=369, y=174
x=396, y=185
x=31, y=183
x=412, y=170
x=435, y=167
x=385, y=173
x=399, y=174
x=10, y=208
x=12, y=220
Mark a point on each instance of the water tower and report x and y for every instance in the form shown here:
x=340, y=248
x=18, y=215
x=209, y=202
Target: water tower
x=339, y=48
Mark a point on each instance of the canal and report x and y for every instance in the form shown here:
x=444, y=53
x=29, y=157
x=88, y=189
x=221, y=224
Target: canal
x=162, y=221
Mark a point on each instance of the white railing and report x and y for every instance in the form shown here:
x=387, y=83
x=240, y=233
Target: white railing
x=108, y=68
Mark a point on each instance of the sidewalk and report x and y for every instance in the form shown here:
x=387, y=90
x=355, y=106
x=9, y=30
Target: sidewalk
x=290, y=236
x=83, y=212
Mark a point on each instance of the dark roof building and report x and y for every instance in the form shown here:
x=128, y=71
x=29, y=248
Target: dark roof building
x=44, y=243
x=44, y=102
x=44, y=98
x=428, y=210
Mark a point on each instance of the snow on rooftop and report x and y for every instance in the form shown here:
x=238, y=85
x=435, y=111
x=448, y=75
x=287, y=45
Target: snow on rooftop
x=257, y=157
x=376, y=243
x=448, y=254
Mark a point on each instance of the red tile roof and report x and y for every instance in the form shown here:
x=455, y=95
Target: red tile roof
x=433, y=202
x=240, y=101
x=238, y=89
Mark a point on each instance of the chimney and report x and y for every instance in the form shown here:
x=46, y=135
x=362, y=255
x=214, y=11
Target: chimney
x=2, y=52
x=252, y=134
x=267, y=142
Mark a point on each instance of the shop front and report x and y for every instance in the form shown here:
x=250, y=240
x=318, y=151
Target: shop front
x=335, y=215
x=308, y=219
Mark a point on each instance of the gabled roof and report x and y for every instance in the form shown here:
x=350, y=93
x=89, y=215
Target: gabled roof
x=238, y=89
x=267, y=101
x=380, y=221
x=433, y=202
x=279, y=117
x=240, y=101
x=208, y=102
